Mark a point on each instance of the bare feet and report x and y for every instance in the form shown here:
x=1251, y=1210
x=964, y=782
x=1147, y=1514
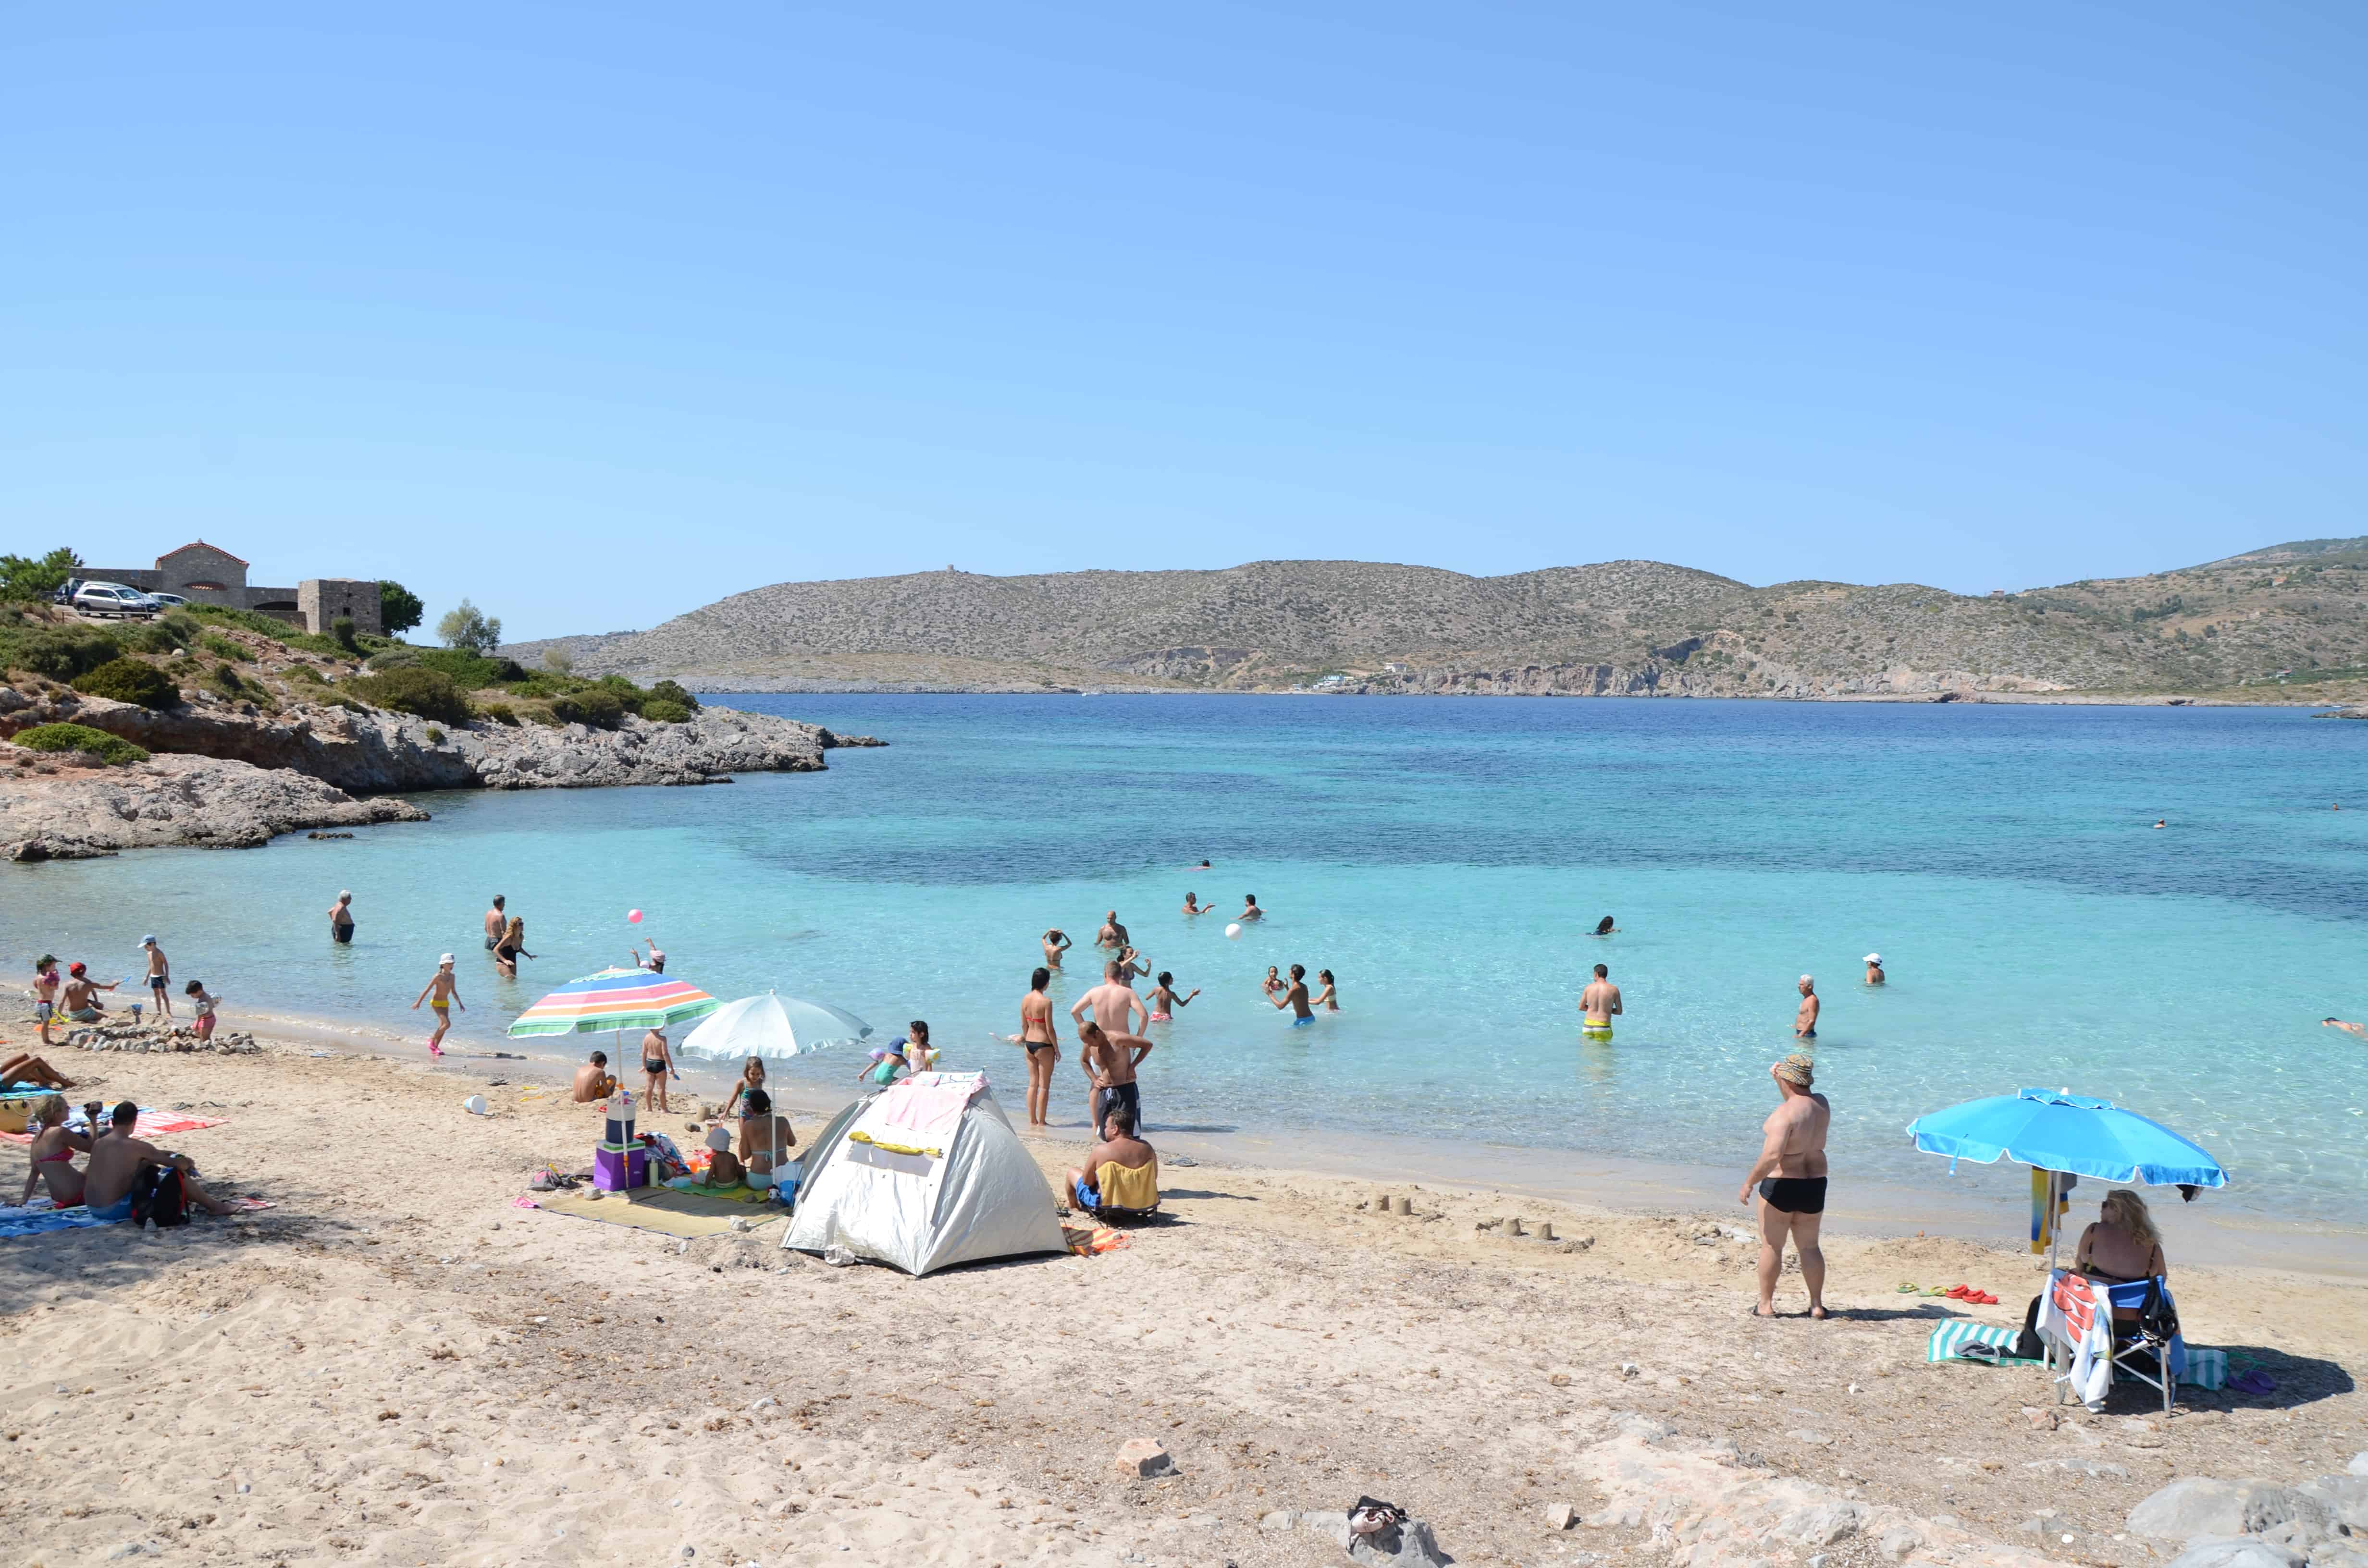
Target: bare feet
x=1820, y=1313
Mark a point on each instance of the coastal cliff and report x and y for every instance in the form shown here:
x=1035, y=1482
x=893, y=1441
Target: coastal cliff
x=228, y=775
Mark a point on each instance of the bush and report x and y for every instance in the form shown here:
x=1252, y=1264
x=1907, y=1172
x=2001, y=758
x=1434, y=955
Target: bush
x=130, y=680
x=434, y=736
x=223, y=679
x=64, y=652
x=181, y=626
x=658, y=711
x=559, y=660
x=222, y=647
x=430, y=694
x=597, y=706
x=468, y=626
x=470, y=672
x=394, y=658
x=668, y=691
x=541, y=685
x=23, y=578
x=263, y=625
x=151, y=638
x=307, y=673
x=341, y=631
x=113, y=750
x=628, y=695
x=499, y=712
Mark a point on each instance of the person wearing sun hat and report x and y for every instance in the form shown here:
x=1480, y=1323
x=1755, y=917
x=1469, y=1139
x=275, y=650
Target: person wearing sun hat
x=160, y=976
x=1873, y=962
x=1790, y=1177
x=443, y=993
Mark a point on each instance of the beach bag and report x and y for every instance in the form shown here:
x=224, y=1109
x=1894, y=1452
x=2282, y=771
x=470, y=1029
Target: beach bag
x=157, y=1199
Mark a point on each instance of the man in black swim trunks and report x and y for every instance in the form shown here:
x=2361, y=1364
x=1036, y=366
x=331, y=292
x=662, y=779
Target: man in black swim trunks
x=1791, y=1176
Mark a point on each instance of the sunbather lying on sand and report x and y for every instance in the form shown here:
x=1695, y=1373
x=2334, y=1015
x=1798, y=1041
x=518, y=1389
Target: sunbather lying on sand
x=25, y=1068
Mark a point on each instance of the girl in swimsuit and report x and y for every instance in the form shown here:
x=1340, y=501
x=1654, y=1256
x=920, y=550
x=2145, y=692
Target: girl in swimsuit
x=1272, y=984
x=657, y=1060
x=53, y=1150
x=1042, y=1041
x=752, y=1077
x=1164, y=1000
x=1055, y=942
x=1329, y=997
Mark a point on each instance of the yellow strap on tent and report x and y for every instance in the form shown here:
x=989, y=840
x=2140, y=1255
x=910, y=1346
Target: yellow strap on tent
x=887, y=1148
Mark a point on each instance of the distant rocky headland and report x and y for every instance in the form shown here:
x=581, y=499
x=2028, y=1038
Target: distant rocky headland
x=2285, y=623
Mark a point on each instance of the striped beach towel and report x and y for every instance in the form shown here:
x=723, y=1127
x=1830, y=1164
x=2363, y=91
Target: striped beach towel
x=1949, y=1340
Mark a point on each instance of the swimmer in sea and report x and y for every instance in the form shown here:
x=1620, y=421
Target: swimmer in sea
x=1056, y=942
x=1874, y=968
x=1112, y=935
x=1250, y=911
x=1597, y=1006
x=1164, y=1000
x=1294, y=996
x=1272, y=983
x=1603, y=927
x=1132, y=965
x=1329, y=997
x=2161, y=821
x=2360, y=1029
x=1805, y=1022
x=1192, y=908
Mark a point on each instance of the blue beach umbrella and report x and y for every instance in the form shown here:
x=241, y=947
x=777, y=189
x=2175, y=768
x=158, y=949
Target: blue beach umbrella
x=2064, y=1133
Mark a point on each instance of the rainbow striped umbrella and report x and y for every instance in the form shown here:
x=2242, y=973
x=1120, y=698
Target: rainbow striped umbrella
x=615, y=999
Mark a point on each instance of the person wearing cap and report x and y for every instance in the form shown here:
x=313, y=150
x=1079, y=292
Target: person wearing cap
x=1805, y=1022
x=1874, y=968
x=441, y=993
x=80, y=1000
x=160, y=976
x=1790, y=1177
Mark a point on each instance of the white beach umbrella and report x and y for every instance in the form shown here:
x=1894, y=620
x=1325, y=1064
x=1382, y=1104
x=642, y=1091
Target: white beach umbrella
x=771, y=1027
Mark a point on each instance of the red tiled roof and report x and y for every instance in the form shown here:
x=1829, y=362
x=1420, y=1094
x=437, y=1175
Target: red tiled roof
x=199, y=544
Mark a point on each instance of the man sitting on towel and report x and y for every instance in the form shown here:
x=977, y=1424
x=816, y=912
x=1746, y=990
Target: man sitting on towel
x=117, y=1160
x=1122, y=1171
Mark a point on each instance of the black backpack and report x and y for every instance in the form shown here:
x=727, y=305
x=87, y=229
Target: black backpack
x=157, y=1199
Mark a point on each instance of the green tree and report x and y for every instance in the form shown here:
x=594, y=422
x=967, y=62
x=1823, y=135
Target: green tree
x=399, y=609
x=22, y=577
x=468, y=626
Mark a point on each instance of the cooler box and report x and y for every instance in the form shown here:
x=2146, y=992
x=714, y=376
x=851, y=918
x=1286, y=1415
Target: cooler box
x=620, y=1170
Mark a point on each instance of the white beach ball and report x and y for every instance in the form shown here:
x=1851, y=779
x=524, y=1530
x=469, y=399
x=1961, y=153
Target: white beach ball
x=1233, y=930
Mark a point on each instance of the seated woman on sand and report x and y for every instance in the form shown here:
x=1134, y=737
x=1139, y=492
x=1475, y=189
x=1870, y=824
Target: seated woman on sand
x=53, y=1150
x=763, y=1135
x=2123, y=1246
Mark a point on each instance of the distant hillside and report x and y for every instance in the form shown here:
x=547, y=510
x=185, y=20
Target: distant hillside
x=1636, y=628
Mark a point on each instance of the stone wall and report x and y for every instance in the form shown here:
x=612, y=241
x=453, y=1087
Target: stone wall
x=320, y=600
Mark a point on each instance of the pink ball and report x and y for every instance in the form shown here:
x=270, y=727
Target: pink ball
x=633, y=917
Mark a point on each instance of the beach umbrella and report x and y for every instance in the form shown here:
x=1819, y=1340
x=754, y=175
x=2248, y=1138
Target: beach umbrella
x=2062, y=1134
x=771, y=1027
x=615, y=999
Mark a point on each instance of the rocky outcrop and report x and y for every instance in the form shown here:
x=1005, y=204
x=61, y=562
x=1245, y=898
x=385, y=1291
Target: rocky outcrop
x=53, y=810
x=380, y=753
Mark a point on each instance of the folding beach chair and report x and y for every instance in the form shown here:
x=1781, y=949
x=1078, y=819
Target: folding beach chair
x=2076, y=1323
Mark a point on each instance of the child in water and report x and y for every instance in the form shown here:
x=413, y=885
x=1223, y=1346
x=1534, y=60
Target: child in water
x=1164, y=1000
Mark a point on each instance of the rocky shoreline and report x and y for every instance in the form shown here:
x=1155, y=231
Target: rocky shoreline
x=228, y=775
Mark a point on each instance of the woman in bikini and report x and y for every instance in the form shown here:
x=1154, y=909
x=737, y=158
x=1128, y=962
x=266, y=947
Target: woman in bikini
x=1055, y=942
x=1329, y=997
x=53, y=1150
x=1164, y=1000
x=1042, y=1041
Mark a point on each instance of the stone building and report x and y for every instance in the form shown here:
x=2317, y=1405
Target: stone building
x=207, y=574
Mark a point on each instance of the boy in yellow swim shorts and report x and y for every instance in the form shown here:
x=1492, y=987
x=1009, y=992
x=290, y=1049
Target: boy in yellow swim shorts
x=441, y=993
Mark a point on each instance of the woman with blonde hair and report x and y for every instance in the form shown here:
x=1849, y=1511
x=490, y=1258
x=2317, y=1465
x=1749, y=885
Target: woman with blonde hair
x=2123, y=1246
x=52, y=1155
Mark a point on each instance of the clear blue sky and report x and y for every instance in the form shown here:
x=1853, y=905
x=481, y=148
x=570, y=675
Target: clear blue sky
x=597, y=313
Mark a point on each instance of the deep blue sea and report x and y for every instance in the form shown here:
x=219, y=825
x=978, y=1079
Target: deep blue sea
x=1442, y=857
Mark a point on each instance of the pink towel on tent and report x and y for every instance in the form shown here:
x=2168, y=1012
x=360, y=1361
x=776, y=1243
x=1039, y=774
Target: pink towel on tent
x=931, y=1103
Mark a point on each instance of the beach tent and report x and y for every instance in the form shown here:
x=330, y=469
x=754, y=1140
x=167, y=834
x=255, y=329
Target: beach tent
x=924, y=1175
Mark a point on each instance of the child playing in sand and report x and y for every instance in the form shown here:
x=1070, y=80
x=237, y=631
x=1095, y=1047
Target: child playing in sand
x=204, y=1003
x=441, y=993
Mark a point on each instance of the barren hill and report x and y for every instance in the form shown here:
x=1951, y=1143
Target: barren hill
x=1617, y=628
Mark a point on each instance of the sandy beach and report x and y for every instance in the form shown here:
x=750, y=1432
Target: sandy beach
x=398, y=1364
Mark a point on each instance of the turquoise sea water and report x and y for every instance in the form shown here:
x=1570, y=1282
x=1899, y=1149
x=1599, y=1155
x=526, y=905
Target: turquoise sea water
x=1442, y=858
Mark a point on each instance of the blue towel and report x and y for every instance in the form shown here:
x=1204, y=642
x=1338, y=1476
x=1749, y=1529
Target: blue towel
x=16, y=1221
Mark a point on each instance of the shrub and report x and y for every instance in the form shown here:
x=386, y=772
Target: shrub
x=222, y=647
x=434, y=736
x=23, y=578
x=668, y=691
x=540, y=686
x=151, y=639
x=181, y=626
x=394, y=658
x=223, y=679
x=430, y=694
x=658, y=711
x=559, y=660
x=597, y=706
x=113, y=750
x=341, y=631
x=628, y=695
x=470, y=672
x=65, y=651
x=499, y=712
x=307, y=673
x=263, y=625
x=468, y=626
x=130, y=680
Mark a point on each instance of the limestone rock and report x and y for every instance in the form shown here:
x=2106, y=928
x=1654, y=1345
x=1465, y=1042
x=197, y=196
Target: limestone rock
x=1900, y=1542
x=1560, y=1515
x=1410, y=1545
x=2346, y=1498
x=75, y=814
x=2241, y=1552
x=2204, y=1506
x=1143, y=1459
x=1822, y=1524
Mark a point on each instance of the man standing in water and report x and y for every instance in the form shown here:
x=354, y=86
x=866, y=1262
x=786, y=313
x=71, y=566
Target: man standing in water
x=496, y=922
x=1294, y=996
x=1805, y=1022
x=1112, y=935
x=341, y=918
x=1791, y=1173
x=1110, y=1060
x=1112, y=1002
x=441, y=994
x=1597, y=1004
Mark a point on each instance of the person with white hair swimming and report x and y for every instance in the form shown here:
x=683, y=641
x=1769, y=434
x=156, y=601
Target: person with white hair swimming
x=1805, y=1022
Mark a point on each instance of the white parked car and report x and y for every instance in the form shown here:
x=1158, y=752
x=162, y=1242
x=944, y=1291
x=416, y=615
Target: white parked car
x=168, y=601
x=113, y=598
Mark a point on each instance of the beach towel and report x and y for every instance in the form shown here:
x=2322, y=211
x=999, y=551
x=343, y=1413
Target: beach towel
x=15, y=1221
x=931, y=1104
x=152, y=1123
x=659, y=1208
x=1949, y=1341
